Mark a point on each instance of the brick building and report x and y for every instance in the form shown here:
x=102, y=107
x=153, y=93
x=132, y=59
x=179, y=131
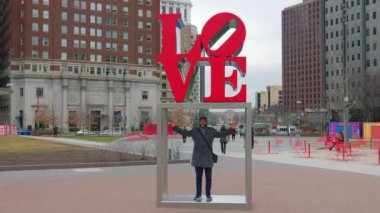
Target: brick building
x=302, y=53
x=94, y=62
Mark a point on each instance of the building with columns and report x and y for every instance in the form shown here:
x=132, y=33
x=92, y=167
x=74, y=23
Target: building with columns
x=90, y=64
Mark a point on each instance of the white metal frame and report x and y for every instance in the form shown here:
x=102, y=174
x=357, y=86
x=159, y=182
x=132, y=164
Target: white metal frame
x=230, y=202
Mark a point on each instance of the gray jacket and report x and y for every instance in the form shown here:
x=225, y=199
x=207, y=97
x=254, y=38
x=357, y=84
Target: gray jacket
x=202, y=156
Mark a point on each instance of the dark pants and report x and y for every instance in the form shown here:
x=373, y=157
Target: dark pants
x=199, y=175
x=233, y=137
x=223, y=147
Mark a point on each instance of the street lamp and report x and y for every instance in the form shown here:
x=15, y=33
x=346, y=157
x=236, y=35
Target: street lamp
x=298, y=119
x=10, y=85
x=345, y=118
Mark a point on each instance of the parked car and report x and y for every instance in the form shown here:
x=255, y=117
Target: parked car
x=82, y=132
x=109, y=133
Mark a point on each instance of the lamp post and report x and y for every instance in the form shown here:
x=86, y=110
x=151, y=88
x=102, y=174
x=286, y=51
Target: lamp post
x=345, y=118
x=10, y=85
x=298, y=119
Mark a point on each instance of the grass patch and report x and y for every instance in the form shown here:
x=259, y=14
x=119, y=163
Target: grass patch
x=102, y=139
x=28, y=151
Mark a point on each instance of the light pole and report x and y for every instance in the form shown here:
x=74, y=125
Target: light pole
x=345, y=117
x=10, y=85
x=298, y=119
x=345, y=89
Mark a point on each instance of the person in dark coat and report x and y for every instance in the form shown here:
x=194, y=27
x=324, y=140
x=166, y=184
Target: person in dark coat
x=223, y=140
x=202, y=158
x=233, y=134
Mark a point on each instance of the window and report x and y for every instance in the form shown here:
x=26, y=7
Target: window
x=40, y=92
x=35, y=27
x=45, y=41
x=34, y=40
x=125, y=60
x=64, y=3
x=34, y=54
x=64, y=16
x=140, y=24
x=145, y=95
x=140, y=13
x=63, y=42
x=125, y=47
x=63, y=56
x=35, y=13
x=149, y=25
x=35, y=1
x=64, y=29
x=45, y=55
x=45, y=28
x=45, y=14
x=21, y=92
x=99, y=7
x=34, y=67
x=76, y=43
x=125, y=35
x=125, y=10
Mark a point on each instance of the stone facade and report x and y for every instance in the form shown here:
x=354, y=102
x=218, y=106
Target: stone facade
x=94, y=63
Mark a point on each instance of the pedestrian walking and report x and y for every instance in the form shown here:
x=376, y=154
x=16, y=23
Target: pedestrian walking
x=223, y=140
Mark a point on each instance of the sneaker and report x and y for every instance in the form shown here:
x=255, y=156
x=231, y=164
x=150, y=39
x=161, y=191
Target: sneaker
x=208, y=199
x=197, y=199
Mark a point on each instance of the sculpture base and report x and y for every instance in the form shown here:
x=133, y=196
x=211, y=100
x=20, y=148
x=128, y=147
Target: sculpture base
x=227, y=202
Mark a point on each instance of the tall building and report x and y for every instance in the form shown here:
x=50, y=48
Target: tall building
x=270, y=98
x=261, y=101
x=185, y=40
x=302, y=56
x=92, y=62
x=352, y=58
x=274, y=95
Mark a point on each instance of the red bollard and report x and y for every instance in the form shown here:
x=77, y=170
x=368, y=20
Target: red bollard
x=371, y=144
x=268, y=147
x=309, y=151
x=304, y=144
x=344, y=151
x=350, y=149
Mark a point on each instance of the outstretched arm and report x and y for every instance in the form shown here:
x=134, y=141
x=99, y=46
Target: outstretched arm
x=183, y=132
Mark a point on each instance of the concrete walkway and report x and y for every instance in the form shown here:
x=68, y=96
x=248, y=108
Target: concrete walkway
x=318, y=160
x=283, y=189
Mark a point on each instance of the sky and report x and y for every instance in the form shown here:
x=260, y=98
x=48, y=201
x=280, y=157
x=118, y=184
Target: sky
x=263, y=42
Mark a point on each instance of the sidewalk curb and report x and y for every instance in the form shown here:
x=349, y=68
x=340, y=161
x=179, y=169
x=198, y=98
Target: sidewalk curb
x=86, y=165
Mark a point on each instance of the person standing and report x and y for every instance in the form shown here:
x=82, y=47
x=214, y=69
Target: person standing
x=202, y=158
x=233, y=134
x=223, y=140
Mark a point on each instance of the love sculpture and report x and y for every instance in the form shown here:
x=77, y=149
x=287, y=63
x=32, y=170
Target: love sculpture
x=225, y=55
x=217, y=59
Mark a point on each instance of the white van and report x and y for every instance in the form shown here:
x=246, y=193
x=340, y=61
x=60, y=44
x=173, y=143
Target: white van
x=286, y=130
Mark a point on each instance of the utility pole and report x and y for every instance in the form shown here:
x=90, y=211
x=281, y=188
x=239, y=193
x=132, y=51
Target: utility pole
x=345, y=89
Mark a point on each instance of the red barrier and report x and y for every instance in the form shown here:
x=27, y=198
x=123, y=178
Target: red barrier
x=309, y=151
x=268, y=147
x=304, y=144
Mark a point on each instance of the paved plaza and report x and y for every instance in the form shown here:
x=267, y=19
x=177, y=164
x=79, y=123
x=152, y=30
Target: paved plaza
x=277, y=187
